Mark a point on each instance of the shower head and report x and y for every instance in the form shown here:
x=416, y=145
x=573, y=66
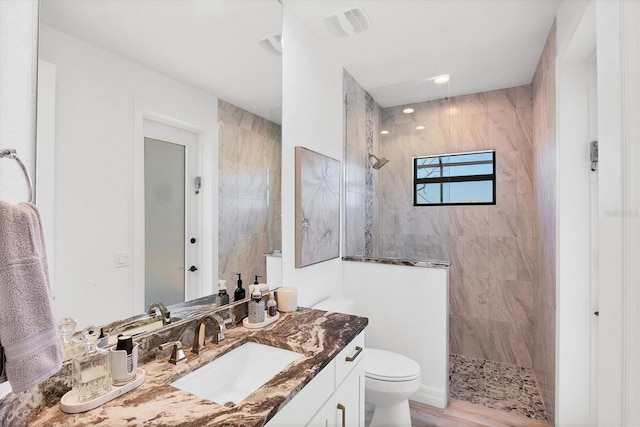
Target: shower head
x=379, y=162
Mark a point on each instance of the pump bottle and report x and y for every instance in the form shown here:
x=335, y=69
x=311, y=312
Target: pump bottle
x=239, y=293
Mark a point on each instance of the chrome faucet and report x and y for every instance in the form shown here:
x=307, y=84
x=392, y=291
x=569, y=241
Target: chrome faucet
x=158, y=306
x=218, y=334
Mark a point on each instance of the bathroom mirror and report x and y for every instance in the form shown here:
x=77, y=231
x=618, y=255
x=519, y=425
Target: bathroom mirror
x=201, y=82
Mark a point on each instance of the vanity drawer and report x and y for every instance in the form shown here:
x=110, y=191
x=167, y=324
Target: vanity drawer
x=349, y=357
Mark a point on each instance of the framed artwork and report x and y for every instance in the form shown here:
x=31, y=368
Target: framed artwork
x=317, y=207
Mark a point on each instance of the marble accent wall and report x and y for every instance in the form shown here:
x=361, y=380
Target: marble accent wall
x=544, y=303
x=249, y=198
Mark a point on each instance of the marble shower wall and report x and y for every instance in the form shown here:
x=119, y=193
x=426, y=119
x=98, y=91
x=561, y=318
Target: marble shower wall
x=544, y=303
x=492, y=248
x=362, y=138
x=248, y=147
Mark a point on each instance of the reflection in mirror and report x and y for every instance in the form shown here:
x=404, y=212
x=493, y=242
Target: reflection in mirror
x=399, y=122
x=203, y=77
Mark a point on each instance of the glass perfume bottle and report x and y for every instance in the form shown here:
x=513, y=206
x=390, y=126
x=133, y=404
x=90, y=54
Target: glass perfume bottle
x=91, y=375
x=70, y=347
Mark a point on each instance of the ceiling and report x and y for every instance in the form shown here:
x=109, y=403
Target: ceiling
x=482, y=44
x=212, y=45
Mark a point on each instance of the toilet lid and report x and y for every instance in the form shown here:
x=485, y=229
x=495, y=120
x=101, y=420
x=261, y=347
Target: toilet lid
x=388, y=366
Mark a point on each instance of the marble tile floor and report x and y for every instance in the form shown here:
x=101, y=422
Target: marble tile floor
x=501, y=386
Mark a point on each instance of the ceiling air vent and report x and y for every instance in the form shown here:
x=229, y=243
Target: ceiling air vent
x=272, y=44
x=347, y=22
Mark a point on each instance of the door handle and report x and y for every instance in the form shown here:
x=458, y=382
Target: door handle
x=193, y=268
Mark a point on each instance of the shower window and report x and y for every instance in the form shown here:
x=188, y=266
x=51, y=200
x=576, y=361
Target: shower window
x=455, y=179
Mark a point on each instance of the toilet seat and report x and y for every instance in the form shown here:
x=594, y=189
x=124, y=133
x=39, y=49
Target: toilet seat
x=384, y=365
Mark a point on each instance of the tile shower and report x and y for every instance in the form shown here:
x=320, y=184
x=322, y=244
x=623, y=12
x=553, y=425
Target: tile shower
x=492, y=249
x=249, y=196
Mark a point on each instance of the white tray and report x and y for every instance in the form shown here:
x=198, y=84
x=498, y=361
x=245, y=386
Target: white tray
x=267, y=321
x=70, y=404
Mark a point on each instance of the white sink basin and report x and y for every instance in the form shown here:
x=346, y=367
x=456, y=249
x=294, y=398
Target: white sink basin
x=235, y=375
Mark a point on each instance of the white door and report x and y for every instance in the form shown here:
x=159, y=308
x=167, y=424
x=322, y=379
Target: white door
x=171, y=214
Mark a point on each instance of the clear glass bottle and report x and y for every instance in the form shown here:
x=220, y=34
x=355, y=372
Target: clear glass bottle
x=70, y=347
x=91, y=375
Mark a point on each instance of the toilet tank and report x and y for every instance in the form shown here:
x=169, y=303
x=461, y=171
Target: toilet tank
x=338, y=305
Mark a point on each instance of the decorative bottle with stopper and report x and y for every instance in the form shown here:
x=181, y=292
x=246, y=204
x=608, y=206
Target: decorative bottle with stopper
x=70, y=347
x=91, y=370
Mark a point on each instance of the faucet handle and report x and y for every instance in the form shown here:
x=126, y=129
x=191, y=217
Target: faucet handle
x=177, y=355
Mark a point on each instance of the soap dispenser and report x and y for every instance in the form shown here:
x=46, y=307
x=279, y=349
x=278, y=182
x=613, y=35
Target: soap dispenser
x=256, y=306
x=223, y=297
x=255, y=282
x=239, y=293
x=90, y=370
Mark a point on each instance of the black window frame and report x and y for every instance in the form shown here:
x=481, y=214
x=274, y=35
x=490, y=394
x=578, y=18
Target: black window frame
x=448, y=179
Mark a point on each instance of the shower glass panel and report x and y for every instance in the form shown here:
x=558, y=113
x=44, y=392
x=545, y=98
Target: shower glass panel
x=386, y=128
x=164, y=178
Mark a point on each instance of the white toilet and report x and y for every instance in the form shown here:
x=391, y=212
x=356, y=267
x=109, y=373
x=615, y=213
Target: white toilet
x=390, y=378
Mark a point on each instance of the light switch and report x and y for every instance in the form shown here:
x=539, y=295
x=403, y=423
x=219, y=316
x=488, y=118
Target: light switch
x=123, y=259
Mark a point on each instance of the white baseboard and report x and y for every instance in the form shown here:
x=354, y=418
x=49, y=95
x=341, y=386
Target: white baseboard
x=431, y=396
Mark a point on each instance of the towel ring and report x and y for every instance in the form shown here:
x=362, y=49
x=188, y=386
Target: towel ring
x=11, y=154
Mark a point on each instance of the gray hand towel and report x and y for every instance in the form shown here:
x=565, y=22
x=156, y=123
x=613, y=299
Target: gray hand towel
x=28, y=330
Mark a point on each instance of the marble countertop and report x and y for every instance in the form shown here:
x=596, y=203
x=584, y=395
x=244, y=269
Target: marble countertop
x=318, y=335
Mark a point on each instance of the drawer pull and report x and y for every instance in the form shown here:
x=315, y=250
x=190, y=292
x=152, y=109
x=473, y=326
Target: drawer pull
x=352, y=358
x=343, y=409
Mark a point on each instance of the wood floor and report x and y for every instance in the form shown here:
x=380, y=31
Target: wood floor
x=464, y=414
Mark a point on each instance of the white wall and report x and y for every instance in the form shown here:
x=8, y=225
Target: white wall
x=100, y=98
x=18, y=47
x=408, y=313
x=18, y=65
x=312, y=111
x=574, y=316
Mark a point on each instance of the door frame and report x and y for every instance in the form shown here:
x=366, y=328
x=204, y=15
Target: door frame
x=143, y=111
x=576, y=326
x=618, y=41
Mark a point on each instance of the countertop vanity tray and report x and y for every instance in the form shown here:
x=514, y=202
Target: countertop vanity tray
x=267, y=321
x=70, y=405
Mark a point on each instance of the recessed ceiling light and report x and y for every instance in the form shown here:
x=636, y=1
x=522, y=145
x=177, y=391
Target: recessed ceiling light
x=439, y=80
x=384, y=132
x=419, y=127
x=408, y=110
